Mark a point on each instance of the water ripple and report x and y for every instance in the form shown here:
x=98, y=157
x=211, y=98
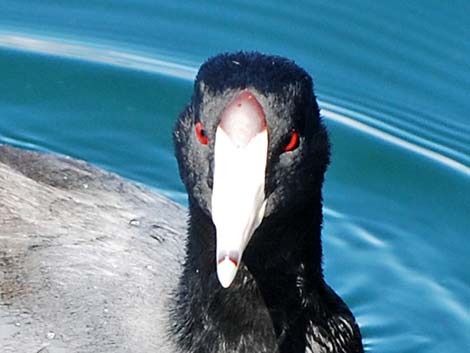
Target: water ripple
x=95, y=53
x=346, y=117
x=440, y=153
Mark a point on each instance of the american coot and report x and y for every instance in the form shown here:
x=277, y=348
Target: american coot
x=92, y=263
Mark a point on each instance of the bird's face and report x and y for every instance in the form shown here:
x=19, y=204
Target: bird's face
x=246, y=154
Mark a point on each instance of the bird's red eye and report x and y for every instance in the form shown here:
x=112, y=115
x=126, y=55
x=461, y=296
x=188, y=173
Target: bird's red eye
x=293, y=142
x=201, y=134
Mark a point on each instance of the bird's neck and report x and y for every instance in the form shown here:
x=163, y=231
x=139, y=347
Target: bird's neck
x=267, y=307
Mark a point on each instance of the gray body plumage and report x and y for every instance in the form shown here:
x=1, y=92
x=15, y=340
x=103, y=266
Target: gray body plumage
x=88, y=260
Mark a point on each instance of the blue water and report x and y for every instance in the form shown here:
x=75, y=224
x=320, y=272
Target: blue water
x=104, y=80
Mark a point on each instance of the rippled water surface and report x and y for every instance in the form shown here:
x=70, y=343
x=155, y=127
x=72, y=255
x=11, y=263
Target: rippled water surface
x=104, y=81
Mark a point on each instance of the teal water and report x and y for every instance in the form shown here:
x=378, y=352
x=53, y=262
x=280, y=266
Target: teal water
x=104, y=82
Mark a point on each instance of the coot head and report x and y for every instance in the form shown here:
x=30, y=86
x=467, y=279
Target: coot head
x=252, y=153
x=252, y=150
